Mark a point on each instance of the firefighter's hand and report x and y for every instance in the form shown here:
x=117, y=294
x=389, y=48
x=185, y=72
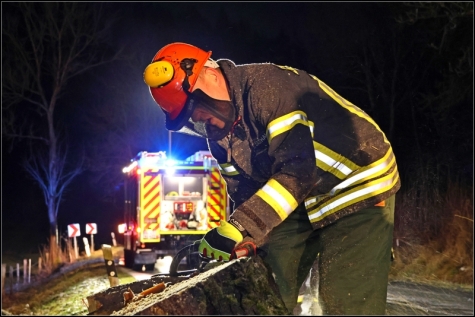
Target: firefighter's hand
x=219, y=242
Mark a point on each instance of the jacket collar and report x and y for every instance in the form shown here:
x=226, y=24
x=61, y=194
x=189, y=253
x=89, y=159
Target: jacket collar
x=236, y=86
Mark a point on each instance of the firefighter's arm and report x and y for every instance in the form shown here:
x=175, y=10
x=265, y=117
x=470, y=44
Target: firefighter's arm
x=294, y=176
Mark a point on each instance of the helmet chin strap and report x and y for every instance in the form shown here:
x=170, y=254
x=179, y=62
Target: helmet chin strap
x=234, y=124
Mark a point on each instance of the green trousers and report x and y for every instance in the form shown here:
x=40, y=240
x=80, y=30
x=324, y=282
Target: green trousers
x=353, y=255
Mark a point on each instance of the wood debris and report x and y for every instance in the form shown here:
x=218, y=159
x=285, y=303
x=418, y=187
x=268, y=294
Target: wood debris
x=129, y=295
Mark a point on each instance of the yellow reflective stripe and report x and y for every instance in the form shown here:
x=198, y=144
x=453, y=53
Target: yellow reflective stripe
x=347, y=105
x=333, y=162
x=355, y=195
x=288, y=68
x=228, y=169
x=373, y=170
x=312, y=201
x=311, y=126
x=285, y=123
x=279, y=198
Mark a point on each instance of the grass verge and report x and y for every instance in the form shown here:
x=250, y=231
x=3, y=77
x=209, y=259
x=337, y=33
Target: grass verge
x=62, y=296
x=434, y=237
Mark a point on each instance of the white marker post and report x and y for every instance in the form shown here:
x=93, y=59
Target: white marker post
x=29, y=271
x=86, y=246
x=24, y=270
x=74, y=231
x=114, y=243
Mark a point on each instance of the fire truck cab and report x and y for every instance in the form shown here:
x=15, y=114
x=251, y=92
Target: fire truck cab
x=169, y=205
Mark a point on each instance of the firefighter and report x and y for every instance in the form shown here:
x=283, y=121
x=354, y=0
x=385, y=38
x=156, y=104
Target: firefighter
x=312, y=176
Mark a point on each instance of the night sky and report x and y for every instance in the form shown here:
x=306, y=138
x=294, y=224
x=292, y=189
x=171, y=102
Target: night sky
x=317, y=37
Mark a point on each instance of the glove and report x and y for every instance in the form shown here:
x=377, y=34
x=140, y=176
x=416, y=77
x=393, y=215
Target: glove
x=219, y=242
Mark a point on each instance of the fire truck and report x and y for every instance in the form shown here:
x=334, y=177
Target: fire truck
x=169, y=204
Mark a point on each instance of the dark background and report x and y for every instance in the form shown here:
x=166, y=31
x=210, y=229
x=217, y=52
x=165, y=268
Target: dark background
x=321, y=38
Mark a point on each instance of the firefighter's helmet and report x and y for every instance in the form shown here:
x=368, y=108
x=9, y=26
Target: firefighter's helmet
x=171, y=77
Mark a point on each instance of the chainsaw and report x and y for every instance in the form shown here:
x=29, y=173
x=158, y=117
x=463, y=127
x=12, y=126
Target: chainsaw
x=245, y=249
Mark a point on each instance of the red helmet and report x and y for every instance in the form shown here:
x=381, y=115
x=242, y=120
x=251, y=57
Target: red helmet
x=166, y=75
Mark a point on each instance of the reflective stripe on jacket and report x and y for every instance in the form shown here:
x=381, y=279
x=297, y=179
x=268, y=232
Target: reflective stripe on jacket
x=299, y=143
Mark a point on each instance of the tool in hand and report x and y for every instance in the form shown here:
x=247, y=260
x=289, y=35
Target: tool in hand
x=242, y=250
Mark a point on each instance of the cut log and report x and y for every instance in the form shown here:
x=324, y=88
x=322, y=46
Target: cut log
x=114, y=298
x=239, y=287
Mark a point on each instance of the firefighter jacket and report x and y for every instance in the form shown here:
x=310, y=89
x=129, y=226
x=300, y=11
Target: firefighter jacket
x=299, y=144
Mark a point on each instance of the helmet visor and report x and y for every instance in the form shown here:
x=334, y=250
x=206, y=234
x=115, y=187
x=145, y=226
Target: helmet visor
x=220, y=109
x=182, y=118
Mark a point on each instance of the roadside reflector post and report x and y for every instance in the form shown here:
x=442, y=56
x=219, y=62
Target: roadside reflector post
x=29, y=271
x=86, y=246
x=24, y=270
x=18, y=273
x=114, y=243
x=110, y=265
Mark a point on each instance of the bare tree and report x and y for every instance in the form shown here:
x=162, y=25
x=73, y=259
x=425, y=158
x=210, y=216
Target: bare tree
x=45, y=45
x=380, y=67
x=445, y=34
x=421, y=65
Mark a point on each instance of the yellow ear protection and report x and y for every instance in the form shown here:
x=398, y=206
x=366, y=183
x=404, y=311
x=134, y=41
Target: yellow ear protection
x=158, y=74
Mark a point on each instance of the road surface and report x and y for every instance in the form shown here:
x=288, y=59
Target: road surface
x=415, y=299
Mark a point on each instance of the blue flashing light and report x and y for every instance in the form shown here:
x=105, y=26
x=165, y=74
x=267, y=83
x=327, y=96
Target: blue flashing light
x=170, y=162
x=170, y=170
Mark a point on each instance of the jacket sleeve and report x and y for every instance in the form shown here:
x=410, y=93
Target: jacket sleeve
x=275, y=100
